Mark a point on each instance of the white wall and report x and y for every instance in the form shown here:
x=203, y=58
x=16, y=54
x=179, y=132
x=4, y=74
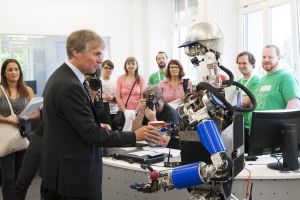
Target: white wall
x=137, y=27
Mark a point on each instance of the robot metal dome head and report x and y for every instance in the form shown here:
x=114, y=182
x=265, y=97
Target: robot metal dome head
x=203, y=37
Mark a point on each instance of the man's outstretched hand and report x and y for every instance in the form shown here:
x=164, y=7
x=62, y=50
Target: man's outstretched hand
x=148, y=133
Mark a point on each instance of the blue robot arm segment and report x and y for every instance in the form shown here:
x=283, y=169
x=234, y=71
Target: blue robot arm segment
x=186, y=176
x=192, y=174
x=210, y=137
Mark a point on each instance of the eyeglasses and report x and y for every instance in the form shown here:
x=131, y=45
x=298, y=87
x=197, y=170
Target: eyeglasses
x=107, y=68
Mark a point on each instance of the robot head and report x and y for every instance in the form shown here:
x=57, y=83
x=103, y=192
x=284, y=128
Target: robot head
x=203, y=39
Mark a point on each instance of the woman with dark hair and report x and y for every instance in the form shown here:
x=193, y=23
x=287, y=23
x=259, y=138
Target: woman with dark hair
x=130, y=86
x=109, y=90
x=19, y=96
x=172, y=86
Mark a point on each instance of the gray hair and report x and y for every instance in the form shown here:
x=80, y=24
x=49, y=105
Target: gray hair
x=154, y=90
x=83, y=40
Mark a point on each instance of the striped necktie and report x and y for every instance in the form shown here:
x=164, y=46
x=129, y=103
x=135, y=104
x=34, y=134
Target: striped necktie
x=86, y=87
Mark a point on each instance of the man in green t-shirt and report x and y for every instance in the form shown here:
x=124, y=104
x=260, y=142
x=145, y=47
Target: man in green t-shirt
x=278, y=89
x=246, y=63
x=156, y=77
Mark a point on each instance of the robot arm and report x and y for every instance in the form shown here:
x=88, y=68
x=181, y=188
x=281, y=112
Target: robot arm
x=197, y=173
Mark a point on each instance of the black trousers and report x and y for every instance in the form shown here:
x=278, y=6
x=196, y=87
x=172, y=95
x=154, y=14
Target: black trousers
x=30, y=166
x=53, y=195
x=0, y=176
x=10, y=166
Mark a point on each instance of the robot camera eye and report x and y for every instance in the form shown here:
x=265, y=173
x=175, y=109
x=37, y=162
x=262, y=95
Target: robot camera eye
x=195, y=61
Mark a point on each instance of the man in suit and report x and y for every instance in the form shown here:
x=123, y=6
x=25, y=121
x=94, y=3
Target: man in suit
x=71, y=167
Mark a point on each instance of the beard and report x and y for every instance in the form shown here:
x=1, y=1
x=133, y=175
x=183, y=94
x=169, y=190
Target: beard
x=269, y=66
x=162, y=65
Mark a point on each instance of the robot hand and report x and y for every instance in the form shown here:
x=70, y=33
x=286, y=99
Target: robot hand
x=185, y=176
x=156, y=181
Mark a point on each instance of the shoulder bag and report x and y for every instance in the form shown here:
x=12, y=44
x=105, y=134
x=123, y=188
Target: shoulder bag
x=119, y=119
x=10, y=138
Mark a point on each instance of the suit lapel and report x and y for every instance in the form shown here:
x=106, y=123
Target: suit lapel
x=66, y=68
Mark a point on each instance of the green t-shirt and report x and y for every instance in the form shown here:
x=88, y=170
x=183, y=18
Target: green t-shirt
x=251, y=84
x=275, y=90
x=156, y=77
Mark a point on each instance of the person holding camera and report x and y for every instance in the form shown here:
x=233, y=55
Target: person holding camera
x=153, y=108
x=101, y=106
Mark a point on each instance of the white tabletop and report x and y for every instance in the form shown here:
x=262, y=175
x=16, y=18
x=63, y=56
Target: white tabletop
x=258, y=169
x=136, y=166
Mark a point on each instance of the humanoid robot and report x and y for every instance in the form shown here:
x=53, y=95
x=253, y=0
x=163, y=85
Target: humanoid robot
x=204, y=114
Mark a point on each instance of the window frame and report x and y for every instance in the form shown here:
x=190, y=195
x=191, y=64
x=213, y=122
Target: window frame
x=246, y=7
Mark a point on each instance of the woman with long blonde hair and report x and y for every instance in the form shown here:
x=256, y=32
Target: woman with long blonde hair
x=132, y=82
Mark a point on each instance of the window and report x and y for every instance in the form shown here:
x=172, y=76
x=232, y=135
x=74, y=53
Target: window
x=39, y=56
x=281, y=20
x=186, y=11
x=270, y=22
x=16, y=48
x=192, y=7
x=180, y=9
x=253, y=35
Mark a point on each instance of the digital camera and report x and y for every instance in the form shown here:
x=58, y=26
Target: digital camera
x=150, y=101
x=94, y=83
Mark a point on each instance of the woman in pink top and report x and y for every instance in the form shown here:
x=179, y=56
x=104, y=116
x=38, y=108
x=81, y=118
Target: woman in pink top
x=125, y=83
x=172, y=86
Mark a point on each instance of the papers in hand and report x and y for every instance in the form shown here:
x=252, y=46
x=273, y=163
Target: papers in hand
x=174, y=104
x=32, y=106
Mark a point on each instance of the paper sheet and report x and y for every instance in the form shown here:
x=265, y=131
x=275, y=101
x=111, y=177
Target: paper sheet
x=142, y=153
x=174, y=104
x=173, y=152
x=128, y=148
x=32, y=106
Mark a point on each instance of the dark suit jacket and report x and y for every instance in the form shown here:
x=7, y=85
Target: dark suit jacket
x=70, y=153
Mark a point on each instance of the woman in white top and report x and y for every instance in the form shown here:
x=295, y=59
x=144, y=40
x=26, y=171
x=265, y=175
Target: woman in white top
x=109, y=89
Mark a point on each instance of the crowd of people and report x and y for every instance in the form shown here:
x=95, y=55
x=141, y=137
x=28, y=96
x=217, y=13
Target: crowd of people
x=72, y=130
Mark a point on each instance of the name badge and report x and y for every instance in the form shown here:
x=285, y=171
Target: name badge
x=265, y=88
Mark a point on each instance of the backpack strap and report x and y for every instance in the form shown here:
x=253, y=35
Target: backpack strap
x=185, y=85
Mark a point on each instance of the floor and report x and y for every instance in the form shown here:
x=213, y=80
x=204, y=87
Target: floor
x=34, y=190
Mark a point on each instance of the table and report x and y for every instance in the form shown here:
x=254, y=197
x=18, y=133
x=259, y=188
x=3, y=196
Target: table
x=268, y=184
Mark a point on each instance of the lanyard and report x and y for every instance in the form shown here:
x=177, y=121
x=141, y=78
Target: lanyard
x=158, y=74
x=242, y=92
x=247, y=81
